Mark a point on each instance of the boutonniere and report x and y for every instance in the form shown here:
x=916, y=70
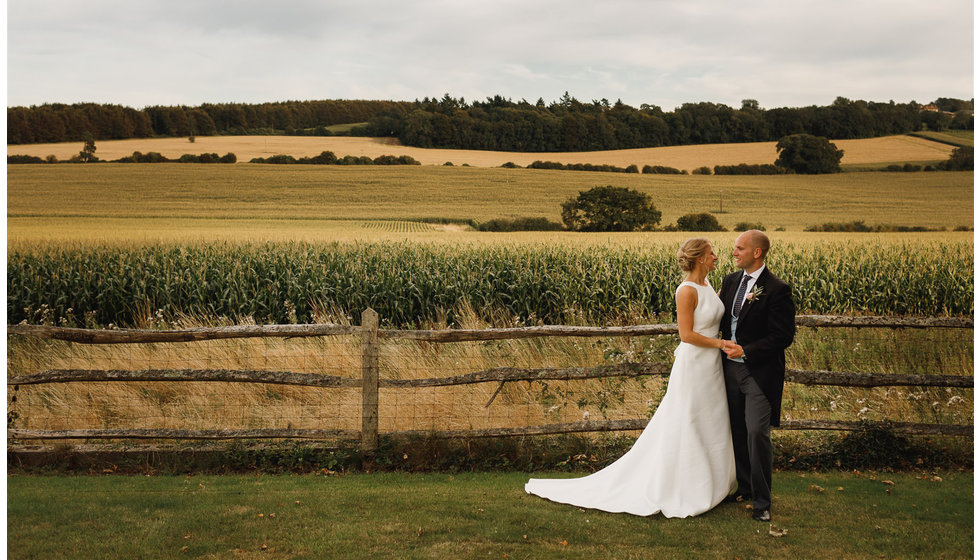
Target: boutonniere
x=755, y=294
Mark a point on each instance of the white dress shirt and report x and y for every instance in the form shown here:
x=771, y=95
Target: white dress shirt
x=748, y=290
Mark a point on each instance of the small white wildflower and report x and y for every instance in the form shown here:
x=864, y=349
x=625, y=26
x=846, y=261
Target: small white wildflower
x=863, y=411
x=585, y=416
x=955, y=400
x=860, y=401
x=833, y=405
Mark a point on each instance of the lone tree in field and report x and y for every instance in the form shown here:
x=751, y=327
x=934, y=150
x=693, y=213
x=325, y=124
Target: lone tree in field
x=609, y=209
x=805, y=153
x=88, y=150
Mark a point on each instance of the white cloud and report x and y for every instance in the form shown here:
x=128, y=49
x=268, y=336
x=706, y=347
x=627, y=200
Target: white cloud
x=663, y=52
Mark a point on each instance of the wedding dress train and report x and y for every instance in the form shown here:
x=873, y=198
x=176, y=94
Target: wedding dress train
x=683, y=463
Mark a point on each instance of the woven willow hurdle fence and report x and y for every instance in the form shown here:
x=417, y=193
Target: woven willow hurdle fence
x=369, y=383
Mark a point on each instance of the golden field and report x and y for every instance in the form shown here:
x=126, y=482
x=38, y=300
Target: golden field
x=122, y=203
x=135, y=205
x=889, y=149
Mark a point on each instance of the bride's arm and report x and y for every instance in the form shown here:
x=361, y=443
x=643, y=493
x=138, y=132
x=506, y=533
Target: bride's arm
x=687, y=300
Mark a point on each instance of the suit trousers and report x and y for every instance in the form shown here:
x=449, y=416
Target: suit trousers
x=750, y=412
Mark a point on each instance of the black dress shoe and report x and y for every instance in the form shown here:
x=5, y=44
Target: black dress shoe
x=736, y=498
x=761, y=515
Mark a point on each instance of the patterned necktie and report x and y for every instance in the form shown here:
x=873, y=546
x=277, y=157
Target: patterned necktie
x=740, y=295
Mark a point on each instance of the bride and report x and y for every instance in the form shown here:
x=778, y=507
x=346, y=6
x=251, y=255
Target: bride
x=683, y=463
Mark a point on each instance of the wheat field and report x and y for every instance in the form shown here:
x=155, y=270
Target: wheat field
x=109, y=202
x=889, y=149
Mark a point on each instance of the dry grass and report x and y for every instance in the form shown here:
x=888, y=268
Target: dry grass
x=194, y=405
x=28, y=233
x=159, y=199
x=889, y=149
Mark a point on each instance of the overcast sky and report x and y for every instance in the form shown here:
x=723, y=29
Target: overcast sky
x=662, y=52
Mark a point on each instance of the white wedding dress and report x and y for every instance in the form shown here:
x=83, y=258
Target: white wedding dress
x=683, y=463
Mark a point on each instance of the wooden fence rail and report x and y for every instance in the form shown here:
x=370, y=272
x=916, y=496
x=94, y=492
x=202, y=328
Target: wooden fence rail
x=502, y=374
x=134, y=336
x=370, y=383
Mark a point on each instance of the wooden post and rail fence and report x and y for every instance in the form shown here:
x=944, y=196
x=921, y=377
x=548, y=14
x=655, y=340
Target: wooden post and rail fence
x=370, y=383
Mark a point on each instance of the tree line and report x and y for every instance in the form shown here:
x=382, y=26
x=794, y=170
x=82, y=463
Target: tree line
x=494, y=124
x=571, y=125
x=68, y=123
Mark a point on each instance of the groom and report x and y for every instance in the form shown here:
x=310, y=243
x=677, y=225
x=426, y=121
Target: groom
x=760, y=320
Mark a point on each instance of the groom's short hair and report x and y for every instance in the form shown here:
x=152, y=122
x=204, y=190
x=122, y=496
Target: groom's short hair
x=760, y=240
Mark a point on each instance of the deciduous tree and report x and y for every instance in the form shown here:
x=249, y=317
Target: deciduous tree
x=805, y=153
x=610, y=209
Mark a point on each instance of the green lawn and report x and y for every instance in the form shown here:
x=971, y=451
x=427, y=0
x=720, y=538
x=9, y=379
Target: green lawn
x=485, y=515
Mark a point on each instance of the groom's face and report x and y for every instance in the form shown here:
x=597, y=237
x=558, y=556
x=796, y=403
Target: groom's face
x=745, y=253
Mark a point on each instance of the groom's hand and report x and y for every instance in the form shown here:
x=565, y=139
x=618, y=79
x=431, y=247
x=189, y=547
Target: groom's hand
x=734, y=351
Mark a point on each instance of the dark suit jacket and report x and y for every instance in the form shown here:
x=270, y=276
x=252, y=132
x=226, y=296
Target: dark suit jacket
x=766, y=326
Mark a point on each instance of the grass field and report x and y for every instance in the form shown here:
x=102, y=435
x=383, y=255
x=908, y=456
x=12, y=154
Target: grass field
x=827, y=516
x=952, y=137
x=167, y=201
x=888, y=149
x=88, y=207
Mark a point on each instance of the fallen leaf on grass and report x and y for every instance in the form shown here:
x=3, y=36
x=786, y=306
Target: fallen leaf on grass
x=888, y=482
x=419, y=532
x=184, y=549
x=775, y=532
x=840, y=488
x=264, y=547
x=936, y=479
x=816, y=488
x=564, y=543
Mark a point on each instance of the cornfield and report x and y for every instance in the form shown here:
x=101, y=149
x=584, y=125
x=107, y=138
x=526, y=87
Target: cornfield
x=415, y=284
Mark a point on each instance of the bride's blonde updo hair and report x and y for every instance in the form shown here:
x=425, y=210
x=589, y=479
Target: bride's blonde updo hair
x=690, y=251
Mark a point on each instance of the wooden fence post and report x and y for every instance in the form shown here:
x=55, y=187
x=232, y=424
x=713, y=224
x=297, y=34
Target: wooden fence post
x=370, y=383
